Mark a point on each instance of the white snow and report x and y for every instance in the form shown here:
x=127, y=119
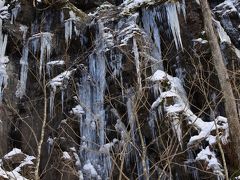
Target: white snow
x=12, y=153
x=106, y=148
x=3, y=173
x=88, y=167
x=210, y=157
x=61, y=81
x=132, y=4
x=78, y=110
x=200, y=40
x=14, y=175
x=226, y=7
x=58, y=81
x=4, y=10
x=66, y=156
x=56, y=62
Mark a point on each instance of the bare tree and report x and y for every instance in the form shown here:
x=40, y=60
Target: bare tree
x=230, y=105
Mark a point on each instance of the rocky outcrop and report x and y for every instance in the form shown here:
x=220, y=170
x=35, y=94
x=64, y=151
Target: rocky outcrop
x=130, y=88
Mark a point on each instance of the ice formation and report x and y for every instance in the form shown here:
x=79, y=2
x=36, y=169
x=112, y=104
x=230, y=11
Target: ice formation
x=3, y=43
x=173, y=22
x=60, y=81
x=45, y=51
x=70, y=26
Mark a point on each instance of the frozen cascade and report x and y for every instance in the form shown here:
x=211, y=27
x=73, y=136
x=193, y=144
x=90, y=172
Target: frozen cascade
x=91, y=97
x=3, y=61
x=137, y=63
x=173, y=22
x=150, y=18
x=21, y=86
x=3, y=44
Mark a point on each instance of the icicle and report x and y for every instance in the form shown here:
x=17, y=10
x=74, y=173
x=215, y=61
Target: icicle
x=62, y=99
x=49, y=144
x=173, y=22
x=176, y=126
x=61, y=81
x=3, y=44
x=69, y=24
x=68, y=30
x=21, y=87
x=137, y=64
x=51, y=104
x=131, y=119
x=45, y=51
x=15, y=12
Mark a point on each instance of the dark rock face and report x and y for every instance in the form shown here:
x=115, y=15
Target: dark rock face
x=108, y=116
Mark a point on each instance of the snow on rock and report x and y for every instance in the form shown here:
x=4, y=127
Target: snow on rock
x=89, y=169
x=226, y=7
x=66, y=156
x=200, y=40
x=56, y=62
x=51, y=64
x=14, y=175
x=12, y=153
x=132, y=4
x=4, y=10
x=210, y=157
x=106, y=148
x=13, y=158
x=61, y=81
x=3, y=173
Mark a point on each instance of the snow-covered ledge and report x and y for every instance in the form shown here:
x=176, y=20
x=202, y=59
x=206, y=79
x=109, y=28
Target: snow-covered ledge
x=173, y=97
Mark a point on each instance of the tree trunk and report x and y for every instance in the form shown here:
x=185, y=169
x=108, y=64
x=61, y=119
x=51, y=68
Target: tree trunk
x=230, y=105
